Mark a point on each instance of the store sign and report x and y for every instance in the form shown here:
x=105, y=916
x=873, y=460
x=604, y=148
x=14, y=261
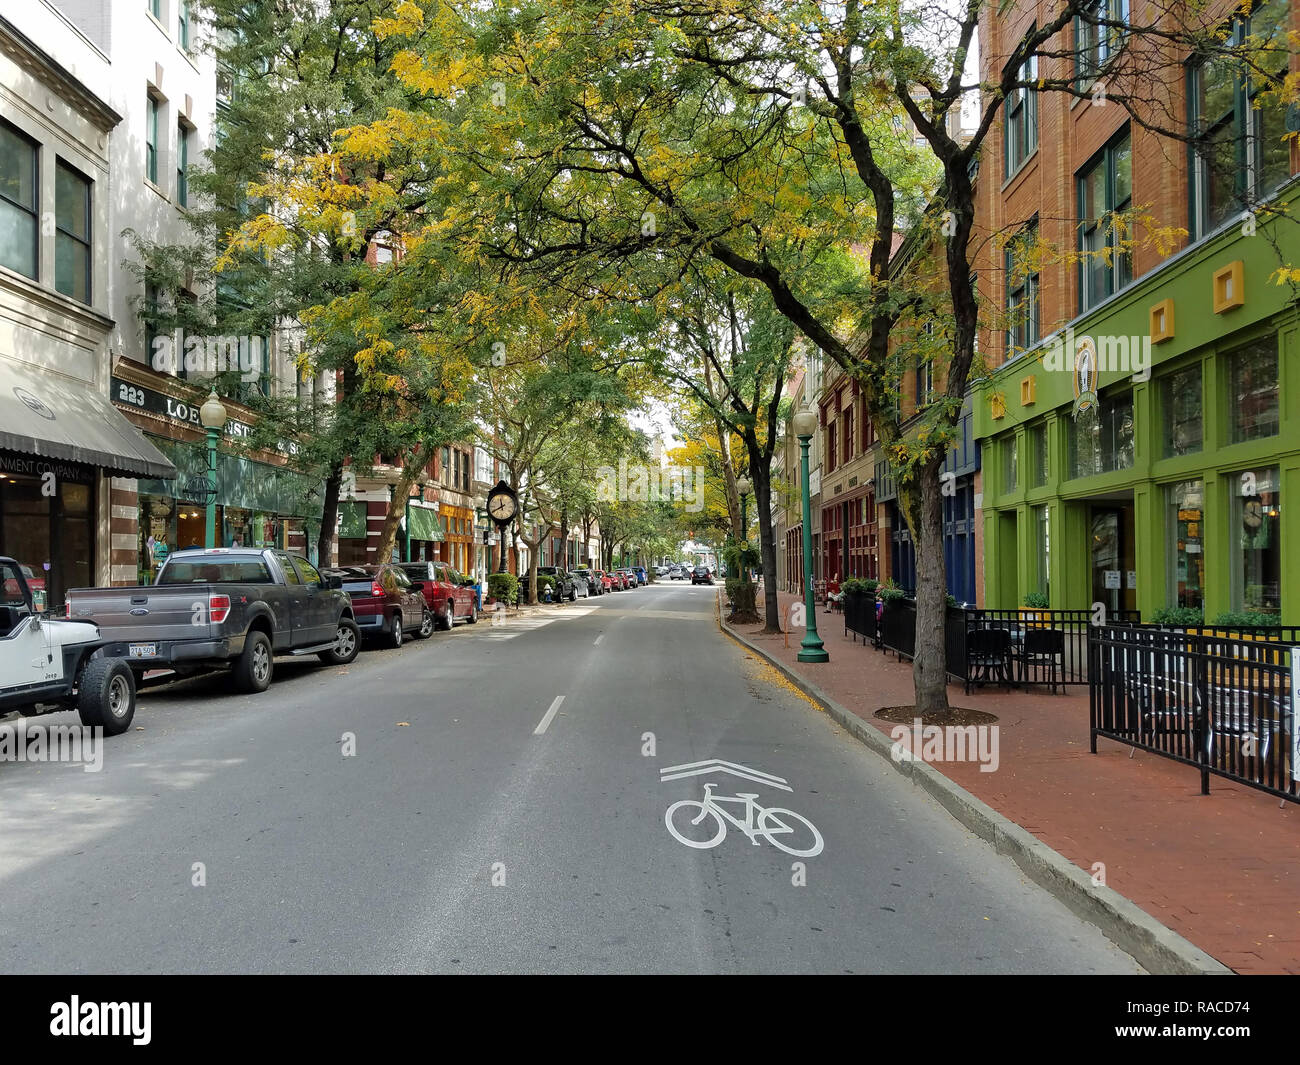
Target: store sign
x=13, y=464
x=136, y=397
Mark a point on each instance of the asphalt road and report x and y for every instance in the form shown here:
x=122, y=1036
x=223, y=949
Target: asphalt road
x=481, y=827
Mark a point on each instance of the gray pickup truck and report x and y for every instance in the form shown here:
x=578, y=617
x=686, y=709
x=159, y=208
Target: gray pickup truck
x=225, y=607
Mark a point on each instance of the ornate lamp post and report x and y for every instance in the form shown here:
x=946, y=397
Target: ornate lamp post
x=213, y=416
x=812, y=649
x=743, y=486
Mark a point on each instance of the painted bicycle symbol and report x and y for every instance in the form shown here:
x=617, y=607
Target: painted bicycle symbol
x=710, y=823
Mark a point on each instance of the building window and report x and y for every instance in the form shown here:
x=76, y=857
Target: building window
x=1102, y=438
x=1105, y=194
x=1256, y=541
x=847, y=419
x=1253, y=392
x=1010, y=464
x=151, y=141
x=444, y=467
x=831, y=432
x=1180, y=397
x=18, y=184
x=182, y=164
x=183, y=24
x=72, y=232
x=1184, y=504
x=155, y=9
x=1021, y=119
x=1043, y=548
x=1241, y=151
x=1022, y=291
x=1094, y=45
x=1039, y=469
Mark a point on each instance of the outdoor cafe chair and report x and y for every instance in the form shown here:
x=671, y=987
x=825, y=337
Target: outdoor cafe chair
x=988, y=656
x=1044, y=648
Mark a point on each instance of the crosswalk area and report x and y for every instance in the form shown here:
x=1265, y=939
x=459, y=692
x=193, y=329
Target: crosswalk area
x=507, y=628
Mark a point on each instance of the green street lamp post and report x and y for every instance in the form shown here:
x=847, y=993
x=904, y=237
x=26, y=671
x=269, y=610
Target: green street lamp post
x=743, y=485
x=812, y=649
x=213, y=417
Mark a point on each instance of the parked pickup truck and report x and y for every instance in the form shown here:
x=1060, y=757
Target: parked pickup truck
x=225, y=607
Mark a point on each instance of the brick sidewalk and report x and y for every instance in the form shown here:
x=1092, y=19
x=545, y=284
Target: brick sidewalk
x=1222, y=870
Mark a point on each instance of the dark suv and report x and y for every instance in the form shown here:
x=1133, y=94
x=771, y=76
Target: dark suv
x=564, y=586
x=701, y=574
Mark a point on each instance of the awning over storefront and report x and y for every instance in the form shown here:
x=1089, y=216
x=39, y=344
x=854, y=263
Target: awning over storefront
x=241, y=481
x=425, y=524
x=54, y=417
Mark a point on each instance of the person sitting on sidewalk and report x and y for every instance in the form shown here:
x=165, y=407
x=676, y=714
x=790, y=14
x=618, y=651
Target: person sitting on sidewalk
x=833, y=594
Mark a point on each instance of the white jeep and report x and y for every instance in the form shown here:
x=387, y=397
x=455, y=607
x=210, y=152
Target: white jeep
x=48, y=664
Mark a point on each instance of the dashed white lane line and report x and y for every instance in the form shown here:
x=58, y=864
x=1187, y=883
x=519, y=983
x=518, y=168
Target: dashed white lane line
x=548, y=716
x=596, y=643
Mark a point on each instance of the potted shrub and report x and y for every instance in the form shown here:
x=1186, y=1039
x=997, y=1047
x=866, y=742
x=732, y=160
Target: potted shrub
x=503, y=588
x=1034, y=602
x=1179, y=617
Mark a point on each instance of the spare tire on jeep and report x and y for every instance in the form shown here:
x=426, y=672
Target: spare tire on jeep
x=106, y=695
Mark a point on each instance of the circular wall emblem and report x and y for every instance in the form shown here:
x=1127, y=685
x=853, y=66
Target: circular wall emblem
x=34, y=403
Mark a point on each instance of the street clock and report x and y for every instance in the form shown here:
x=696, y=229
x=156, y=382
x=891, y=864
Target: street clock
x=502, y=504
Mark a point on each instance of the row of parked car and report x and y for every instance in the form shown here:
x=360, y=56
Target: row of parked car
x=235, y=608
x=584, y=582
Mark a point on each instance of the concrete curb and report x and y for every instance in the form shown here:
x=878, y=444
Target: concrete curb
x=1157, y=949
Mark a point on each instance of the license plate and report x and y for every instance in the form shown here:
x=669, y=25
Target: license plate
x=143, y=650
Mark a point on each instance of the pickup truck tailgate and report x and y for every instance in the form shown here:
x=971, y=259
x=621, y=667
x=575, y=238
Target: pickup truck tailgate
x=159, y=612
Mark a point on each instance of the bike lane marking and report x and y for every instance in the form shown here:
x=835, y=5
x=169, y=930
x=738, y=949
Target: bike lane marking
x=548, y=716
x=596, y=643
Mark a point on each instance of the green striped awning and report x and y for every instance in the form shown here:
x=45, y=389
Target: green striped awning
x=425, y=524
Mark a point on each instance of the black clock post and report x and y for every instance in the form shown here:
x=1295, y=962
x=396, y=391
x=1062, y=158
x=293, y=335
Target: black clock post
x=502, y=506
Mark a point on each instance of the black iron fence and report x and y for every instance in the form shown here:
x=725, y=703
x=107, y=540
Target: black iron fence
x=860, y=618
x=1006, y=647
x=1222, y=704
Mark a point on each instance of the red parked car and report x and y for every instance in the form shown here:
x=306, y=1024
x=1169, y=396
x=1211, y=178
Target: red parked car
x=385, y=602
x=606, y=581
x=449, y=594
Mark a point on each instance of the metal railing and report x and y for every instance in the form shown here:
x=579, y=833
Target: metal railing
x=860, y=618
x=1223, y=705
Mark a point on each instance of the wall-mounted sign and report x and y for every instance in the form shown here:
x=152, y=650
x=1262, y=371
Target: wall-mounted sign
x=137, y=397
x=1085, y=375
x=1112, y=579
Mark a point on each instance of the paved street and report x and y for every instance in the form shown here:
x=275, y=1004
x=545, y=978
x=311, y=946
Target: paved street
x=481, y=827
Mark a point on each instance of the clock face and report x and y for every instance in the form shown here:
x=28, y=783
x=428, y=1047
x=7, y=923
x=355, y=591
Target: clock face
x=1254, y=514
x=501, y=507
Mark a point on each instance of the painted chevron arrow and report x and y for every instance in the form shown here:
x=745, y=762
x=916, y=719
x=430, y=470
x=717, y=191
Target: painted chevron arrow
x=717, y=765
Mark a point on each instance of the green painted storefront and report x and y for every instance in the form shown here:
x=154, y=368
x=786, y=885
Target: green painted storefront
x=1123, y=495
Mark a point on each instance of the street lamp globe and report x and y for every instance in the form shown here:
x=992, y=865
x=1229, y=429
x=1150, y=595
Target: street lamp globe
x=804, y=424
x=743, y=485
x=213, y=412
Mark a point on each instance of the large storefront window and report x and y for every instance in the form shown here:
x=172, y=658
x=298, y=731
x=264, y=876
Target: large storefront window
x=254, y=504
x=1253, y=391
x=1185, y=507
x=1043, y=549
x=1010, y=464
x=1101, y=440
x=1180, y=395
x=1256, y=541
x=46, y=524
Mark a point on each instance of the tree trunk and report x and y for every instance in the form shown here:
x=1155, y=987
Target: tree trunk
x=929, y=670
x=397, y=505
x=329, y=517
x=767, y=545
